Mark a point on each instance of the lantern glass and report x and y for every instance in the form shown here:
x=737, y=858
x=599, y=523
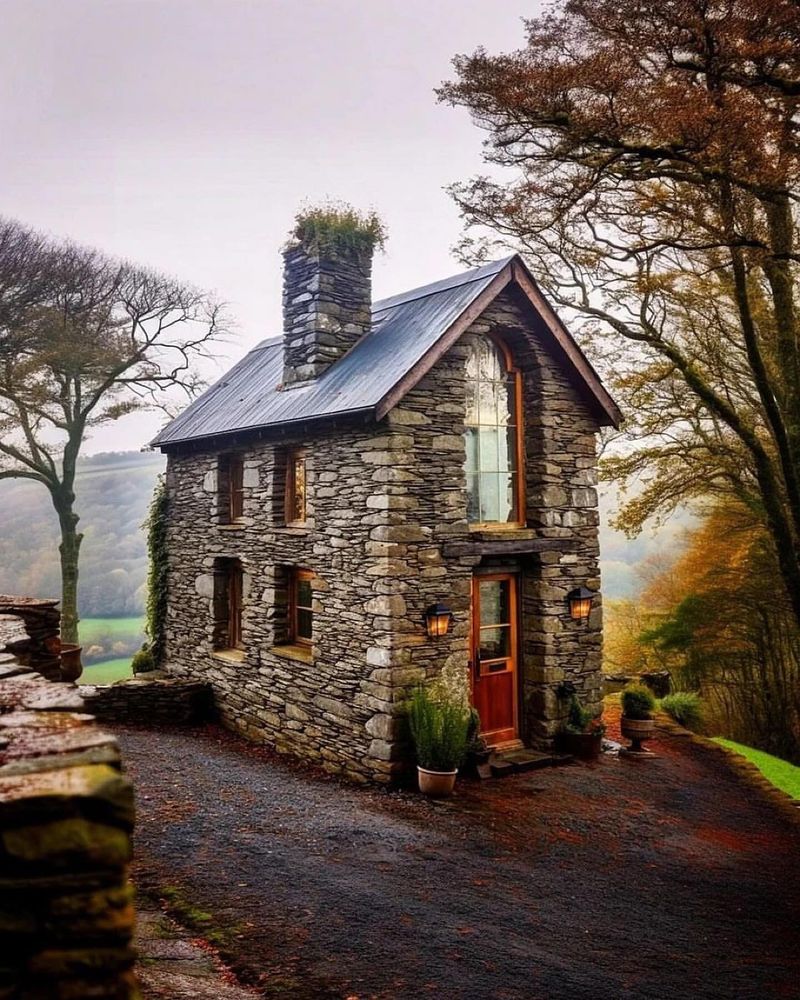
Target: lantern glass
x=437, y=620
x=580, y=603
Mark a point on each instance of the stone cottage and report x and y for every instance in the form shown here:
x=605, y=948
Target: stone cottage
x=385, y=490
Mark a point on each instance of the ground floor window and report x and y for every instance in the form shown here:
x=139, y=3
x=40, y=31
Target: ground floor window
x=228, y=604
x=301, y=612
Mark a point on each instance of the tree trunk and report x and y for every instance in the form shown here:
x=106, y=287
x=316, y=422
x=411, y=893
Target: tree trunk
x=69, y=549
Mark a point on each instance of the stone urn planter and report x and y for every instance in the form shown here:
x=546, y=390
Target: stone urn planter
x=436, y=784
x=637, y=731
x=637, y=722
x=71, y=666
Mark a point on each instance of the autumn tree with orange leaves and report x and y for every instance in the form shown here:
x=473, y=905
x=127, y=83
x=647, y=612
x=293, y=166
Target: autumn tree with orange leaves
x=645, y=158
x=723, y=628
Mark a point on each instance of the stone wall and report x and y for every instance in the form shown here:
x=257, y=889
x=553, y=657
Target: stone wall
x=319, y=706
x=326, y=307
x=387, y=535
x=154, y=699
x=66, y=817
x=42, y=620
x=429, y=493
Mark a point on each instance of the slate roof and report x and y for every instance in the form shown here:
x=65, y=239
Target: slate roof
x=405, y=329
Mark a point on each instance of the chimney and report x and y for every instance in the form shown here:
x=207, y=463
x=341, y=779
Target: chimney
x=327, y=289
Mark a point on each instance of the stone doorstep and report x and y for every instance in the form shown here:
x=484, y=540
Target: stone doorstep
x=503, y=763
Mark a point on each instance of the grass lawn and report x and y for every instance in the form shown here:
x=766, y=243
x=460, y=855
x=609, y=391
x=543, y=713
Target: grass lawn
x=108, y=645
x=779, y=772
x=107, y=672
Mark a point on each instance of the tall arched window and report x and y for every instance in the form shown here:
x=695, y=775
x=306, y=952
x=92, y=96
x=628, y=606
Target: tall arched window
x=492, y=436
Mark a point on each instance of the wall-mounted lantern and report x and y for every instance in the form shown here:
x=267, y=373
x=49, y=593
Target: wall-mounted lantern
x=580, y=603
x=438, y=619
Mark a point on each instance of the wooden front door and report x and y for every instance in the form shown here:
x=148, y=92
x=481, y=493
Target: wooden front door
x=494, y=655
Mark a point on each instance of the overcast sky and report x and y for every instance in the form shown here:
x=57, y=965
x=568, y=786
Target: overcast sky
x=186, y=133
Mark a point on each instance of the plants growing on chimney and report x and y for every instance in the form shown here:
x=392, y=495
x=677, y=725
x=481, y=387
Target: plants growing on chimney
x=335, y=226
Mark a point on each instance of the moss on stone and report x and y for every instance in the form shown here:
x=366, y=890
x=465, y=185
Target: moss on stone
x=71, y=842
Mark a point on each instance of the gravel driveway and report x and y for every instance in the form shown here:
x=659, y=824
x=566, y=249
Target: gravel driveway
x=621, y=880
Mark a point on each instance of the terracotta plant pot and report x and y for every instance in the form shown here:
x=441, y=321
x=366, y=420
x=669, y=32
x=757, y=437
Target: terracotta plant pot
x=637, y=731
x=586, y=746
x=71, y=666
x=436, y=784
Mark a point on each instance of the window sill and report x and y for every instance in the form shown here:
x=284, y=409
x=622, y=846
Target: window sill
x=293, y=529
x=231, y=526
x=229, y=655
x=490, y=530
x=292, y=651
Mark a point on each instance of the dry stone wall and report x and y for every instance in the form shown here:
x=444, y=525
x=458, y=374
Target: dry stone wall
x=66, y=817
x=387, y=512
x=42, y=621
x=152, y=699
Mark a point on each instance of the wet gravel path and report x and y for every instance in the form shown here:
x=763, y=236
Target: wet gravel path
x=620, y=880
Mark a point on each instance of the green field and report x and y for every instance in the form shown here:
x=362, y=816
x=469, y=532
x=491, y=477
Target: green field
x=779, y=772
x=108, y=645
x=107, y=673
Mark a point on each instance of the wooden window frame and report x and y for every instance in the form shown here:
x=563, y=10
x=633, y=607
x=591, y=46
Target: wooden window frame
x=229, y=574
x=519, y=491
x=295, y=578
x=235, y=605
x=292, y=517
x=231, y=487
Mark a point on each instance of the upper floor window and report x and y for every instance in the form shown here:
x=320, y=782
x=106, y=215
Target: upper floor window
x=295, y=502
x=231, y=488
x=492, y=433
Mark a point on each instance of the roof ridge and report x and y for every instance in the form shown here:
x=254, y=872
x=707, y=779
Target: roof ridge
x=443, y=285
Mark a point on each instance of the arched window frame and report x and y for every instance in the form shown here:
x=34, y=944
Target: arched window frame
x=519, y=493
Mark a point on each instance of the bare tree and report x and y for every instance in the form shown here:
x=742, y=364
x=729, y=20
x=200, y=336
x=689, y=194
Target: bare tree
x=84, y=340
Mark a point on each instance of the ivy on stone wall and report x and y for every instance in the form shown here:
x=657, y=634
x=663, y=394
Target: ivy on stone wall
x=156, y=610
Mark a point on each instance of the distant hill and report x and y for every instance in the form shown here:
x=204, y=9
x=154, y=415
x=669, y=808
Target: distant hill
x=114, y=491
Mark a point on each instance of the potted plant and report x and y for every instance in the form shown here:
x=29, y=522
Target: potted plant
x=583, y=733
x=69, y=655
x=439, y=728
x=71, y=666
x=638, y=724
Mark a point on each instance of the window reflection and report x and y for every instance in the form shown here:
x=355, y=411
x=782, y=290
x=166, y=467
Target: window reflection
x=491, y=428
